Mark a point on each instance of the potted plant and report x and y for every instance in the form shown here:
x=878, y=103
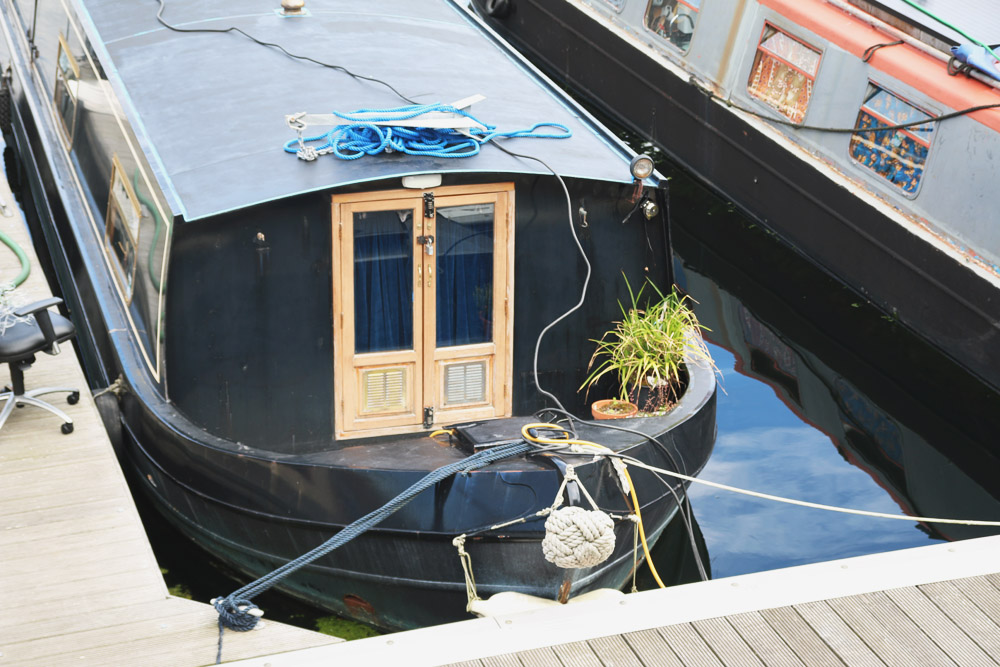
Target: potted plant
x=646, y=352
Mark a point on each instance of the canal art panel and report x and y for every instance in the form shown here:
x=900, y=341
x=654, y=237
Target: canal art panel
x=783, y=73
x=674, y=20
x=897, y=155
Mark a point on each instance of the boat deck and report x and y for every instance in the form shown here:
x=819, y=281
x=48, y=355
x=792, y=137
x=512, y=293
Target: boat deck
x=79, y=582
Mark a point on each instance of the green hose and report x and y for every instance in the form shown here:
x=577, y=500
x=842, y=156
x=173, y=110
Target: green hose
x=940, y=20
x=25, y=262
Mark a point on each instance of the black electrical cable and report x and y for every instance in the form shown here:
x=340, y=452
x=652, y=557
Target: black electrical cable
x=845, y=130
x=338, y=68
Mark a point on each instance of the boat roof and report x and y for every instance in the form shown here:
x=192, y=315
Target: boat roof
x=210, y=109
x=977, y=18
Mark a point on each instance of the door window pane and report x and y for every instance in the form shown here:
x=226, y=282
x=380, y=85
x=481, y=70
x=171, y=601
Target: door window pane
x=465, y=274
x=383, y=281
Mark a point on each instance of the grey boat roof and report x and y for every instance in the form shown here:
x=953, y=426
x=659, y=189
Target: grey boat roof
x=210, y=108
x=978, y=18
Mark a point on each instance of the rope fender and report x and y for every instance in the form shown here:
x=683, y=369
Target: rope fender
x=576, y=537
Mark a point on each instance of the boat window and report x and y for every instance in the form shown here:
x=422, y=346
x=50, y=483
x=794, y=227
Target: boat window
x=674, y=20
x=897, y=155
x=783, y=73
x=122, y=229
x=420, y=295
x=66, y=89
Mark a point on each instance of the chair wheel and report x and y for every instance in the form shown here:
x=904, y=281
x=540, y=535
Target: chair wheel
x=67, y=428
x=73, y=398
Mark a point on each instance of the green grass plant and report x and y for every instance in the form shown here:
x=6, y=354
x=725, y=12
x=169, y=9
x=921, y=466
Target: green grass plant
x=647, y=348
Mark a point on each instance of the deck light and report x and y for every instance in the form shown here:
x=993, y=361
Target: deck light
x=641, y=167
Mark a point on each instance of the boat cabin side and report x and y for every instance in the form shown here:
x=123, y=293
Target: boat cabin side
x=384, y=310
x=803, y=63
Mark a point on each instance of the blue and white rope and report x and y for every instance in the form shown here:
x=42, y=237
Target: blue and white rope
x=366, y=134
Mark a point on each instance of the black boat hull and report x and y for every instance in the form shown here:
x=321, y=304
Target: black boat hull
x=913, y=281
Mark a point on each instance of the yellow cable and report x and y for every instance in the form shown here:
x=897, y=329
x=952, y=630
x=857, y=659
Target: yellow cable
x=642, y=531
x=631, y=487
x=449, y=431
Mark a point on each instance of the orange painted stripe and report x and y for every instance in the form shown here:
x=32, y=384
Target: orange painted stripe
x=903, y=62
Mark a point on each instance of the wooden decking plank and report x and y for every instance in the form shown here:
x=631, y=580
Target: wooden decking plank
x=801, y=637
x=93, y=602
x=67, y=624
x=983, y=594
x=726, y=642
x=191, y=643
x=539, y=657
x=614, y=651
x=67, y=499
x=175, y=629
x=466, y=663
x=81, y=512
x=652, y=649
x=964, y=612
x=913, y=637
x=765, y=642
x=45, y=456
x=125, y=546
x=81, y=588
x=55, y=538
x=883, y=632
x=838, y=635
x=689, y=646
x=577, y=654
x=506, y=660
x=32, y=483
x=938, y=627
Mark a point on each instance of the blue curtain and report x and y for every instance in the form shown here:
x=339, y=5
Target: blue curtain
x=464, y=280
x=383, y=281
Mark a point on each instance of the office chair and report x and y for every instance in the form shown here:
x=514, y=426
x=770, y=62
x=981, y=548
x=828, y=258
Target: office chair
x=18, y=345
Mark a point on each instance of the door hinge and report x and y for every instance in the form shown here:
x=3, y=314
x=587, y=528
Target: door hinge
x=429, y=205
x=428, y=417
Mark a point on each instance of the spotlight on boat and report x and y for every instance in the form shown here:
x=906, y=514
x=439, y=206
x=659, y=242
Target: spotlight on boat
x=641, y=167
x=649, y=208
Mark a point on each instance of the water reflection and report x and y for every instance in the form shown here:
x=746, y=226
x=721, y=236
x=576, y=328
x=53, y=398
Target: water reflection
x=826, y=400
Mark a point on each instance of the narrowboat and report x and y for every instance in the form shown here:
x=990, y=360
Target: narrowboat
x=778, y=103
x=280, y=337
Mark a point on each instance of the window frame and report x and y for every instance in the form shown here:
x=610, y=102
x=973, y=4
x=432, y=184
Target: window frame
x=428, y=361
x=875, y=176
x=810, y=78
x=68, y=133
x=663, y=38
x=124, y=276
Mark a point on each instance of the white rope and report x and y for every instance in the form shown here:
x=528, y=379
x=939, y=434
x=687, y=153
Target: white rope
x=803, y=503
x=576, y=537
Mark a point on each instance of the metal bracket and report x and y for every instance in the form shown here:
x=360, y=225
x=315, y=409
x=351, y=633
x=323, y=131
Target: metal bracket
x=428, y=417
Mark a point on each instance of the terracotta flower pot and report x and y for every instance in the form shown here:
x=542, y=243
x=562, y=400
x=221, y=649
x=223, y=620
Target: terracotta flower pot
x=613, y=408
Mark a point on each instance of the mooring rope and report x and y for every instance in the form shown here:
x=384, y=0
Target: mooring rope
x=370, y=132
x=236, y=612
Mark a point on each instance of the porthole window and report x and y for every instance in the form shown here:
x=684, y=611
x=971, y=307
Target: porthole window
x=898, y=156
x=783, y=73
x=673, y=20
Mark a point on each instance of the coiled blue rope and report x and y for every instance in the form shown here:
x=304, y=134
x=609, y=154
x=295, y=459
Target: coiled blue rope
x=234, y=609
x=361, y=136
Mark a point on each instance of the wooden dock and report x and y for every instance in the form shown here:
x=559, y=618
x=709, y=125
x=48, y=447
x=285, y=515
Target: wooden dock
x=934, y=605
x=79, y=584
